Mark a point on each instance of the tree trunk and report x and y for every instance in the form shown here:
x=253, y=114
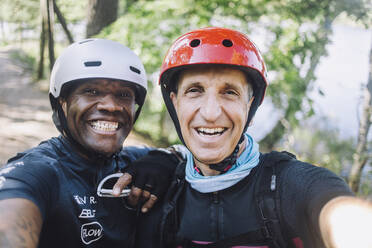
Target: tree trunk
x=62, y=20
x=50, y=30
x=40, y=70
x=101, y=13
x=271, y=139
x=361, y=155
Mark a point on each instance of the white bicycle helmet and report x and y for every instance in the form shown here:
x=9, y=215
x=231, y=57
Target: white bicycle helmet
x=95, y=58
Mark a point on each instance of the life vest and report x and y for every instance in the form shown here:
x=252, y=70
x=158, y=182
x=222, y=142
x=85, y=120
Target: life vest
x=271, y=233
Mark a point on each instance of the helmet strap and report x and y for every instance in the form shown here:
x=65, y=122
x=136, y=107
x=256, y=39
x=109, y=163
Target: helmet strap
x=228, y=161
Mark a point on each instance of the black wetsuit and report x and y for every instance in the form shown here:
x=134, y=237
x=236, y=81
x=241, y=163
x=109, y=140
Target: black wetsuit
x=63, y=185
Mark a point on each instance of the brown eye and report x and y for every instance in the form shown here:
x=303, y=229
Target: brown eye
x=125, y=94
x=92, y=92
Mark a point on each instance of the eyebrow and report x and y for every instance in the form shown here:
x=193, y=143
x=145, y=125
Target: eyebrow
x=229, y=85
x=193, y=84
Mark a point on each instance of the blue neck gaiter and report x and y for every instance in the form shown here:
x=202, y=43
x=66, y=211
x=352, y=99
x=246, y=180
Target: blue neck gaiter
x=241, y=169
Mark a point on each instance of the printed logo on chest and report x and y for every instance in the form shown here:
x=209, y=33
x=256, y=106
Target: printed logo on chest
x=91, y=232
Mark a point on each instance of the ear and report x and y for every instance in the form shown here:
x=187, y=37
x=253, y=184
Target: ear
x=250, y=102
x=173, y=97
x=249, y=107
x=63, y=103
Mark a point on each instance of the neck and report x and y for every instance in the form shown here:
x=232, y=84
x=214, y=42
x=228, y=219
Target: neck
x=85, y=153
x=207, y=171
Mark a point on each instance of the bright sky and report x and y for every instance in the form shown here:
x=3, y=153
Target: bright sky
x=340, y=77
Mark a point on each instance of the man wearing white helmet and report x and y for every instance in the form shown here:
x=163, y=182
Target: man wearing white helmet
x=53, y=195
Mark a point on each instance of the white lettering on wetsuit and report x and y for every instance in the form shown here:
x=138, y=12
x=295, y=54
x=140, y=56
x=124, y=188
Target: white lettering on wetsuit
x=87, y=213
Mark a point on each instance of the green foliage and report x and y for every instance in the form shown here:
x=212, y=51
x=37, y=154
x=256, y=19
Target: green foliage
x=321, y=146
x=300, y=41
x=20, y=11
x=365, y=186
x=18, y=16
x=24, y=15
x=23, y=59
x=72, y=10
x=21, y=24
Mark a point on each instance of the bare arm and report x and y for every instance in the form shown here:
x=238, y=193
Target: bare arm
x=346, y=222
x=20, y=223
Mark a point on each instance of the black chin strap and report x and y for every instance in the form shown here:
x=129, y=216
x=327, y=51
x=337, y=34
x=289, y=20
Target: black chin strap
x=228, y=161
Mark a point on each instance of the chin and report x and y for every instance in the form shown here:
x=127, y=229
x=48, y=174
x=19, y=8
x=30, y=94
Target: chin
x=105, y=150
x=106, y=153
x=213, y=157
x=210, y=159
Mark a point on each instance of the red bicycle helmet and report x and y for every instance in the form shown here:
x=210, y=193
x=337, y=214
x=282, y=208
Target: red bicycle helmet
x=213, y=45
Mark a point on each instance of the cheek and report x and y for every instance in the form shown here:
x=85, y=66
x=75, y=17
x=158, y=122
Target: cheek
x=181, y=114
x=76, y=110
x=185, y=112
x=238, y=113
x=130, y=109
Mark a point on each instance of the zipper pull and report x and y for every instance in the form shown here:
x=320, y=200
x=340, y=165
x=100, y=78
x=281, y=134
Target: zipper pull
x=273, y=183
x=215, y=197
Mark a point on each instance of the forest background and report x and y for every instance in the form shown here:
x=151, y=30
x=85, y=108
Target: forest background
x=293, y=35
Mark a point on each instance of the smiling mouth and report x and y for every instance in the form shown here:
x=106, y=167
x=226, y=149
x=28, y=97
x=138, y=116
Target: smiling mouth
x=211, y=131
x=105, y=126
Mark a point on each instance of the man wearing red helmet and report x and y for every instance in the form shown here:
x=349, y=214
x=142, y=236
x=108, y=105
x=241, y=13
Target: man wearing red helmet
x=226, y=193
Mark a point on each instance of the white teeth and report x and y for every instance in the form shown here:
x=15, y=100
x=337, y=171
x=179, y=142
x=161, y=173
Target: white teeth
x=210, y=131
x=106, y=126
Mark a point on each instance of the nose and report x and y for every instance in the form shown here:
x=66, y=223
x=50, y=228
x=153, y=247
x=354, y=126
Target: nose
x=109, y=103
x=211, y=108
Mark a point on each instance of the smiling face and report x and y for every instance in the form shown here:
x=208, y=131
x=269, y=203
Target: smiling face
x=212, y=105
x=100, y=114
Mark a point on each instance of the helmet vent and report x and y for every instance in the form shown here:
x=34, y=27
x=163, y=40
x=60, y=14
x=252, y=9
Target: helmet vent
x=92, y=63
x=227, y=43
x=134, y=69
x=85, y=41
x=195, y=43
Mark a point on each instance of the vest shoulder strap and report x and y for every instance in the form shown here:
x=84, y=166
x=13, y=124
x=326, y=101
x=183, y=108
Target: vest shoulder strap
x=169, y=220
x=268, y=200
